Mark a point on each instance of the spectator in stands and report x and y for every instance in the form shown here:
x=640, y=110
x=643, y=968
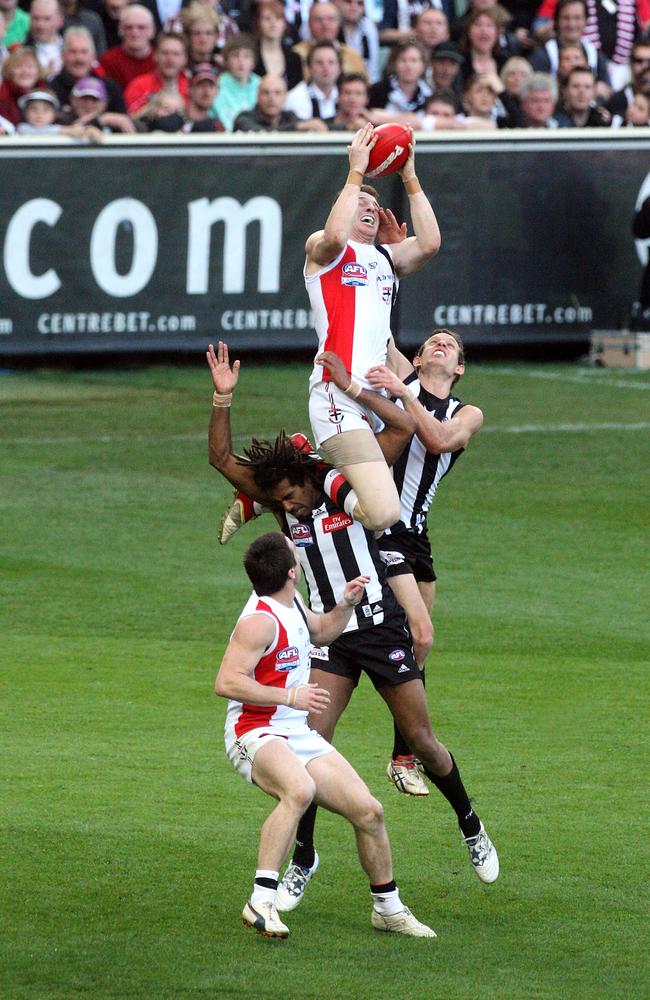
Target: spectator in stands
x=610, y=27
x=352, y=109
x=398, y=21
x=164, y=111
x=135, y=55
x=171, y=59
x=46, y=22
x=358, y=32
x=638, y=112
x=21, y=72
x=166, y=15
x=110, y=13
x=440, y=111
x=268, y=114
x=579, y=109
x=480, y=45
x=39, y=109
x=404, y=90
x=569, y=57
x=274, y=55
x=446, y=63
x=570, y=25
x=479, y=101
x=17, y=23
x=89, y=106
x=515, y=71
x=325, y=26
x=76, y=16
x=227, y=26
x=79, y=60
x=204, y=87
x=6, y=127
x=639, y=83
x=537, y=98
x=238, y=84
x=511, y=42
x=200, y=25
x=317, y=99
x=431, y=28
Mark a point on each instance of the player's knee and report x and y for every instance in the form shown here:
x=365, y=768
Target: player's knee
x=301, y=794
x=378, y=514
x=422, y=741
x=371, y=814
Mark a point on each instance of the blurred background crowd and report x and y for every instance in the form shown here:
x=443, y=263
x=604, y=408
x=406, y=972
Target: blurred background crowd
x=88, y=67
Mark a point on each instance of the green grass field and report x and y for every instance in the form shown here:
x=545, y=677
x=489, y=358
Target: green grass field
x=128, y=844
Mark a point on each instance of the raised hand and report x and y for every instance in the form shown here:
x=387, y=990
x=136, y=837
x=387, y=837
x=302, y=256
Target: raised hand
x=382, y=377
x=359, y=148
x=390, y=230
x=224, y=377
x=408, y=170
x=354, y=590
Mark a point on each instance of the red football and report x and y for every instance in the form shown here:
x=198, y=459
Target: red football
x=391, y=150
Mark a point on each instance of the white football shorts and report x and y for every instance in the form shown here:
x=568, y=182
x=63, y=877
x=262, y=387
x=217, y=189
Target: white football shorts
x=306, y=743
x=332, y=412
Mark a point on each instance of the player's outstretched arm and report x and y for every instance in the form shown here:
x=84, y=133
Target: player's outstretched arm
x=399, y=425
x=220, y=454
x=437, y=436
x=324, y=246
x=323, y=629
x=414, y=252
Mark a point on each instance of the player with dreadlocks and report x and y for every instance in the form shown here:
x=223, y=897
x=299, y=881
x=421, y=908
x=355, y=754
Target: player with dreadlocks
x=334, y=548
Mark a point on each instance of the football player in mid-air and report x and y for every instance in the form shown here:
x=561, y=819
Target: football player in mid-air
x=352, y=270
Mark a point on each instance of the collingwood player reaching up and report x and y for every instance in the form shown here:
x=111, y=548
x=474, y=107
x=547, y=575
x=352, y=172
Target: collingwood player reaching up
x=333, y=547
x=444, y=426
x=351, y=283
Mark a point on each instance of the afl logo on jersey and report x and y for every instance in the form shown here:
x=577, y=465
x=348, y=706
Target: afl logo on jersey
x=287, y=659
x=301, y=535
x=354, y=274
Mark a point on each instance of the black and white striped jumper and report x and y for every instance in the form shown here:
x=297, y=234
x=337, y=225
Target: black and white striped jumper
x=333, y=548
x=417, y=472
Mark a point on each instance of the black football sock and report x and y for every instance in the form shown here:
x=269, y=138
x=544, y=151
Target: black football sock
x=304, y=853
x=453, y=789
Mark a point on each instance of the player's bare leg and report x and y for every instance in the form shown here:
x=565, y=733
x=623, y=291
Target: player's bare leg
x=408, y=706
x=278, y=772
x=340, y=691
x=404, y=769
x=359, y=458
x=340, y=789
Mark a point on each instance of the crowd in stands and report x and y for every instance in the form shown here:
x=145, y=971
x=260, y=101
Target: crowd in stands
x=88, y=67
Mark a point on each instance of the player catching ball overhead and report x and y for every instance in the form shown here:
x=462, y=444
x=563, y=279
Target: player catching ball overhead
x=352, y=270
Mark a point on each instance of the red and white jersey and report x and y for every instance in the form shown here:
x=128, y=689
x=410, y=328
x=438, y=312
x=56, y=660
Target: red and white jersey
x=284, y=664
x=351, y=302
